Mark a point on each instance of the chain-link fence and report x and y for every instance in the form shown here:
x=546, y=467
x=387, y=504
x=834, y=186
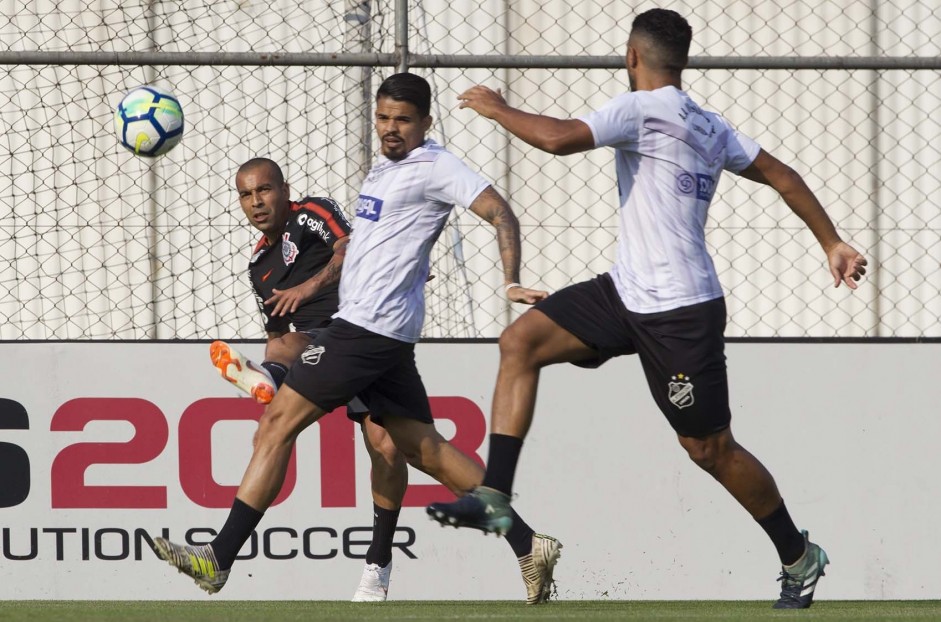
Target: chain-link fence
x=100, y=244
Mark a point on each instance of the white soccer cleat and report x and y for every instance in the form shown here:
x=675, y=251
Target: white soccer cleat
x=538, y=566
x=374, y=585
x=243, y=373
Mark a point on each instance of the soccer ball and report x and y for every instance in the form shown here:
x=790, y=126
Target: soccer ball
x=149, y=121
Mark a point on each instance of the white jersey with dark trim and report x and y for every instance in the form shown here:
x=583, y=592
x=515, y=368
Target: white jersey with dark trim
x=402, y=208
x=669, y=154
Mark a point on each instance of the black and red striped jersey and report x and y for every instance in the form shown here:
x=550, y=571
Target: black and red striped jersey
x=305, y=247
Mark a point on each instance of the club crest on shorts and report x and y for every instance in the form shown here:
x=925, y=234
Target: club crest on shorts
x=311, y=356
x=681, y=391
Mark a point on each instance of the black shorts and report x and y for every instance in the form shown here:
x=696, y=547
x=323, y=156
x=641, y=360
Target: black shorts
x=682, y=350
x=346, y=361
x=356, y=410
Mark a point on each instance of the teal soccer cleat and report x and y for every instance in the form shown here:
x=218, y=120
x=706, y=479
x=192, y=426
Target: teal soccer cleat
x=799, y=580
x=482, y=508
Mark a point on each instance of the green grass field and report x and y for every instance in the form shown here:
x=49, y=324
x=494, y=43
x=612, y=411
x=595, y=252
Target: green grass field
x=661, y=611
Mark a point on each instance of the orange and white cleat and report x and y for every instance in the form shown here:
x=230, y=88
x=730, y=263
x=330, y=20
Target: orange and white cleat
x=243, y=373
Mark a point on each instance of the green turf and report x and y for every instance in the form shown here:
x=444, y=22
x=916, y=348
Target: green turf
x=661, y=611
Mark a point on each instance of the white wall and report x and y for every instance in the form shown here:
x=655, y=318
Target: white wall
x=849, y=431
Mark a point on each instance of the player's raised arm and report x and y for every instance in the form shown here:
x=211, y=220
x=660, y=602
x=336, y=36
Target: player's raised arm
x=288, y=301
x=846, y=264
x=490, y=206
x=556, y=136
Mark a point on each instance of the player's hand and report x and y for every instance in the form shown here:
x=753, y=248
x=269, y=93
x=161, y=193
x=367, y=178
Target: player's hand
x=847, y=265
x=287, y=301
x=525, y=295
x=484, y=100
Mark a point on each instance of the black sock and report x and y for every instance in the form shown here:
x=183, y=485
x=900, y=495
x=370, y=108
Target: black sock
x=784, y=534
x=501, y=463
x=237, y=530
x=278, y=372
x=383, y=531
x=520, y=536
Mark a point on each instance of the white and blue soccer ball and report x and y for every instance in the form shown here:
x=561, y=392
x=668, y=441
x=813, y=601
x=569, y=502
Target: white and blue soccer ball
x=149, y=121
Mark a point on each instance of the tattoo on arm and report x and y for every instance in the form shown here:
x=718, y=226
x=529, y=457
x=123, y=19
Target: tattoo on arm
x=330, y=273
x=490, y=206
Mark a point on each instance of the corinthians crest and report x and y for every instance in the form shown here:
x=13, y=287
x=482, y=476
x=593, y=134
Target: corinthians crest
x=288, y=249
x=681, y=391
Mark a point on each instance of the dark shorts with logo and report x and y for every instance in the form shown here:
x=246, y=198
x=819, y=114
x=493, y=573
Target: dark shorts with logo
x=355, y=408
x=345, y=361
x=682, y=350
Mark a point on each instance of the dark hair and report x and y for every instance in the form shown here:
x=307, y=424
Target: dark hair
x=407, y=87
x=669, y=32
x=271, y=164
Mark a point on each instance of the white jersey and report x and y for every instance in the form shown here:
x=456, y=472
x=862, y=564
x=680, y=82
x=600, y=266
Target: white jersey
x=402, y=208
x=669, y=154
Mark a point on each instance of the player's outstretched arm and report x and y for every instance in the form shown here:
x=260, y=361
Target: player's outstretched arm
x=556, y=136
x=490, y=206
x=289, y=300
x=847, y=265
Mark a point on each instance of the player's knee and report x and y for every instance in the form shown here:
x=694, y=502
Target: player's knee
x=273, y=427
x=414, y=456
x=703, y=458
x=418, y=444
x=385, y=453
x=276, y=350
x=517, y=344
x=422, y=454
x=702, y=451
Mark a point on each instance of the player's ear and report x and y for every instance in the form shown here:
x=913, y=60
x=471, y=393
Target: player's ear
x=631, y=58
x=426, y=124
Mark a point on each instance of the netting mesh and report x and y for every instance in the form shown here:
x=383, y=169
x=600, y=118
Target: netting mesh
x=99, y=244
